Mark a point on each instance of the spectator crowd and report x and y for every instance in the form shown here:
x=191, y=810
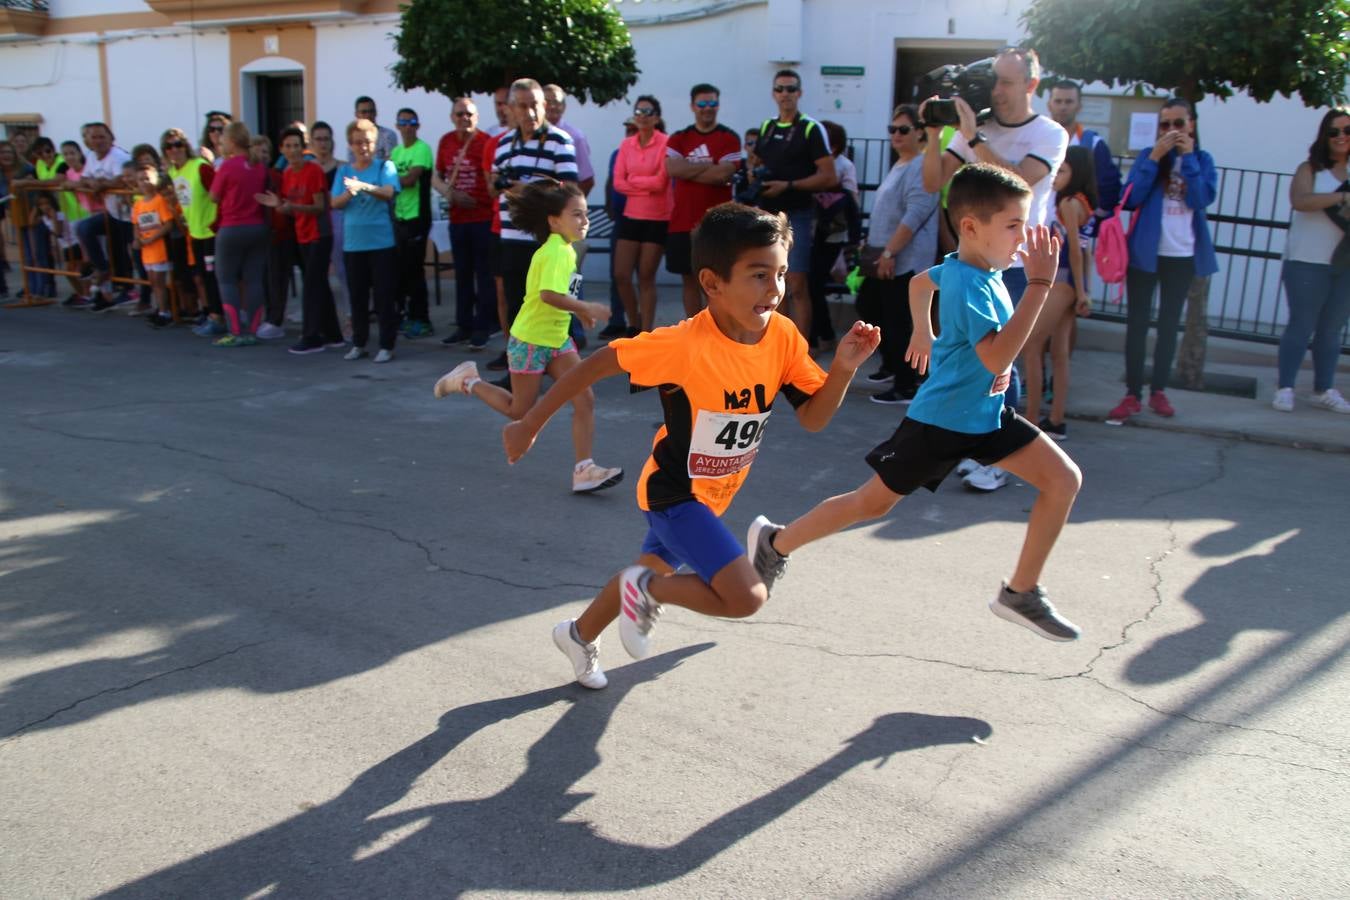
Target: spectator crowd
x=212, y=228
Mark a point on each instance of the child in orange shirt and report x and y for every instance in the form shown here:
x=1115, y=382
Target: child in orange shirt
x=153, y=219
x=719, y=373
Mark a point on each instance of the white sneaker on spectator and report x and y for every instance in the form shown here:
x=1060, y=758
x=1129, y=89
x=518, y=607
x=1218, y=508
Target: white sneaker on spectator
x=355, y=353
x=269, y=332
x=1331, y=399
x=1284, y=400
x=965, y=467
x=384, y=356
x=986, y=478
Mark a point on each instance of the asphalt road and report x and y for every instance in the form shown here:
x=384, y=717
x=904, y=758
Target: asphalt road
x=279, y=626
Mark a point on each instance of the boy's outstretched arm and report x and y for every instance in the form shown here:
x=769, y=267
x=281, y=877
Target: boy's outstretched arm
x=519, y=436
x=921, y=290
x=998, y=349
x=860, y=342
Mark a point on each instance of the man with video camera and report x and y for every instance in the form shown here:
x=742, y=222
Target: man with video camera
x=1013, y=137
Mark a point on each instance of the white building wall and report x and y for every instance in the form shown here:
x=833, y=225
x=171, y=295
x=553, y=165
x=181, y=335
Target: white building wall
x=57, y=80
x=355, y=60
x=151, y=83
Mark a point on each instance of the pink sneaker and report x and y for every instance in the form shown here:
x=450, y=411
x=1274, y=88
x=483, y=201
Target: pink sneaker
x=1157, y=401
x=1124, y=409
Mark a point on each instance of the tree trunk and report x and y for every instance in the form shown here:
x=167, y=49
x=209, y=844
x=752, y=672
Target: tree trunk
x=1190, y=368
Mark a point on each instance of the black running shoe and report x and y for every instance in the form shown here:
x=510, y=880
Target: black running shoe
x=1032, y=610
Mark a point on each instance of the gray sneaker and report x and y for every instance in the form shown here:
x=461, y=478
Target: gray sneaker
x=1032, y=610
x=769, y=563
x=585, y=658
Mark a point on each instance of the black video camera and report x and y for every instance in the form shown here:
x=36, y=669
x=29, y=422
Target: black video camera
x=973, y=83
x=746, y=190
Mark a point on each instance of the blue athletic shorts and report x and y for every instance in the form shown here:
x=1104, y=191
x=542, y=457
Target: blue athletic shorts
x=692, y=534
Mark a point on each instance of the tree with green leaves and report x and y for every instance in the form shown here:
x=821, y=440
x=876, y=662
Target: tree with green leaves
x=457, y=47
x=1197, y=48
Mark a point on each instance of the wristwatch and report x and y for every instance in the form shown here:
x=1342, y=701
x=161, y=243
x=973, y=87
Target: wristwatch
x=979, y=138
x=887, y=254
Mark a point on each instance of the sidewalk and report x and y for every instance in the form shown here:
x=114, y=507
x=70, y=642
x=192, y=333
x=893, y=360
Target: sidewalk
x=1098, y=384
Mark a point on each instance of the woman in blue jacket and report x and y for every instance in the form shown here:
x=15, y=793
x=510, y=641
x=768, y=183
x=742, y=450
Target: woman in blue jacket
x=1169, y=246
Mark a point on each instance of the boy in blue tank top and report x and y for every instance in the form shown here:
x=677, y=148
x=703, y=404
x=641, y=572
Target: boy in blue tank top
x=959, y=411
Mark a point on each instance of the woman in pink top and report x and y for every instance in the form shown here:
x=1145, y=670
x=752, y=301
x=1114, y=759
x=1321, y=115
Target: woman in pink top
x=640, y=174
x=242, y=238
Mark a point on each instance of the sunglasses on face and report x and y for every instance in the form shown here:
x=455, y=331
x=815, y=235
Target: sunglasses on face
x=175, y=145
x=899, y=129
x=785, y=88
x=1338, y=132
x=406, y=123
x=644, y=111
x=706, y=104
x=216, y=129
x=1167, y=124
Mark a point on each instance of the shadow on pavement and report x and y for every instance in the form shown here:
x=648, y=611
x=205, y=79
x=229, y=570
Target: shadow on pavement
x=517, y=839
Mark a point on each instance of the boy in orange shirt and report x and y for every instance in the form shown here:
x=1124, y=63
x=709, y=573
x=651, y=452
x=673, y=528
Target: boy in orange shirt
x=718, y=374
x=153, y=219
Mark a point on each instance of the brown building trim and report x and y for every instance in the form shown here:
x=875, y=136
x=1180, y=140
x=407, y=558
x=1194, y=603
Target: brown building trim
x=182, y=11
x=18, y=21
x=295, y=41
x=110, y=22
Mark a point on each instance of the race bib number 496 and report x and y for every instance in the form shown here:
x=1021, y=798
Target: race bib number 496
x=724, y=443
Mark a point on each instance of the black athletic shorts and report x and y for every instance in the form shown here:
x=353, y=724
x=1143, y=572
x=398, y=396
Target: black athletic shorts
x=678, y=251
x=921, y=455
x=644, y=231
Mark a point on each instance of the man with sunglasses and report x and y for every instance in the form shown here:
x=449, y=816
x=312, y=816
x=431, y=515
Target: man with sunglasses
x=412, y=220
x=793, y=150
x=533, y=149
x=700, y=161
x=387, y=140
x=463, y=182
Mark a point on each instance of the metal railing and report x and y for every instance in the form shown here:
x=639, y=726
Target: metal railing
x=1249, y=222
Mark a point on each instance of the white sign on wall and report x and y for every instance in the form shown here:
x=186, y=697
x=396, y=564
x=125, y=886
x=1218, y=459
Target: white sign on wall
x=842, y=94
x=272, y=44
x=1143, y=130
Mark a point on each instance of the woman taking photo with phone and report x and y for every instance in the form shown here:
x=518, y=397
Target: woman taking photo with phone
x=1170, y=246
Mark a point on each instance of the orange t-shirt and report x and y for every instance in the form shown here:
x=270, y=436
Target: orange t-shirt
x=716, y=395
x=150, y=214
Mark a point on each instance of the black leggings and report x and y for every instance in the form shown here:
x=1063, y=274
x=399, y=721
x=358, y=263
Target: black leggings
x=1175, y=274
x=377, y=271
x=885, y=304
x=204, y=249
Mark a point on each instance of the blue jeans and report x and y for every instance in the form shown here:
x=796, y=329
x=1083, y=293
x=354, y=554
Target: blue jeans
x=88, y=230
x=475, y=291
x=1319, y=304
x=39, y=254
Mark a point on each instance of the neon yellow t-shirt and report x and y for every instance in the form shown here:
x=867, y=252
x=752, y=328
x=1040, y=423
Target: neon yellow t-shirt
x=552, y=268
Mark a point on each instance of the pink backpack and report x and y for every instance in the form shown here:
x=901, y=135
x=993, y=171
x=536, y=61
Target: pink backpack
x=1112, y=255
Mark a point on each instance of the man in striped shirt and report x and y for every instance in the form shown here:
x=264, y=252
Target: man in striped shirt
x=533, y=149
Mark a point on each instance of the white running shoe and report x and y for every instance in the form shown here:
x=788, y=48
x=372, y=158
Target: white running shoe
x=965, y=467
x=1284, y=400
x=986, y=478
x=269, y=332
x=384, y=356
x=638, y=611
x=1331, y=399
x=594, y=478
x=355, y=353
x=456, y=380
x=585, y=657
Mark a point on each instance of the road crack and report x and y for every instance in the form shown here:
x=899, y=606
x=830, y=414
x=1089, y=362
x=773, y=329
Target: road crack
x=126, y=687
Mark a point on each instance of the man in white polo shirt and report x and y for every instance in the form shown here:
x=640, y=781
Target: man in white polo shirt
x=1015, y=138
x=111, y=215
